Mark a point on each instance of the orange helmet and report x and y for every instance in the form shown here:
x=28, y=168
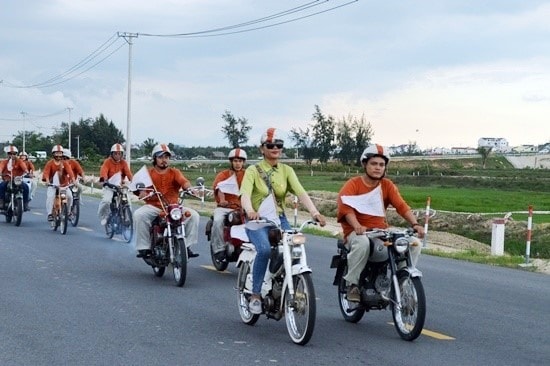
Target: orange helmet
x=161, y=149
x=375, y=150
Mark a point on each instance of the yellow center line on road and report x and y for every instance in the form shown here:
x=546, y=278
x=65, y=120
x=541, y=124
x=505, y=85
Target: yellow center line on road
x=436, y=335
x=212, y=268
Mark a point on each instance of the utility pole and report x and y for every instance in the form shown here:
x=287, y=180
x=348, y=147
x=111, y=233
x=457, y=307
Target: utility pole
x=24, y=114
x=69, y=109
x=128, y=37
x=78, y=147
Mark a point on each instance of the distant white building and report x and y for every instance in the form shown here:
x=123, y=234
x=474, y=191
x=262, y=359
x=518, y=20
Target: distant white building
x=524, y=149
x=497, y=144
x=463, y=150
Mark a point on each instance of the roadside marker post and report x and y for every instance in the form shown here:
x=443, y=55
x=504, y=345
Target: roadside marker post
x=426, y=220
x=528, y=244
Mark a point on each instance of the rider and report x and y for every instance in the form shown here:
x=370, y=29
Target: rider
x=114, y=164
x=59, y=173
x=367, y=198
x=12, y=167
x=226, y=189
x=75, y=165
x=23, y=156
x=168, y=181
x=262, y=181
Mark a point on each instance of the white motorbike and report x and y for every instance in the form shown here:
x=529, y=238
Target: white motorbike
x=287, y=288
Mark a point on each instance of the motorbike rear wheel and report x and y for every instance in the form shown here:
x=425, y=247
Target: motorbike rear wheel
x=246, y=316
x=351, y=311
x=220, y=266
x=75, y=212
x=300, y=314
x=179, y=267
x=63, y=219
x=18, y=211
x=126, y=223
x=409, y=319
x=8, y=213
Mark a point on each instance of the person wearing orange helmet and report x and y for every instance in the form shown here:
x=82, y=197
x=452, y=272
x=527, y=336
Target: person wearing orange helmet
x=114, y=170
x=226, y=191
x=24, y=157
x=356, y=216
x=263, y=181
x=59, y=173
x=168, y=181
x=12, y=167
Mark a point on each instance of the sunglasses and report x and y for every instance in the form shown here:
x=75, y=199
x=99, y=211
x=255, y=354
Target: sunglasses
x=272, y=146
x=12, y=153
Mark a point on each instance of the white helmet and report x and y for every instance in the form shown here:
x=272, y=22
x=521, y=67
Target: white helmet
x=161, y=149
x=57, y=148
x=23, y=153
x=117, y=148
x=270, y=136
x=67, y=153
x=375, y=150
x=237, y=153
x=10, y=149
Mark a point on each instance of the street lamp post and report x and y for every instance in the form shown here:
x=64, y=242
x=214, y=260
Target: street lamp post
x=69, y=109
x=78, y=147
x=24, y=114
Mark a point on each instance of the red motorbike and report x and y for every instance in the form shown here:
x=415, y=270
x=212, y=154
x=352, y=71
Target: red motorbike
x=232, y=245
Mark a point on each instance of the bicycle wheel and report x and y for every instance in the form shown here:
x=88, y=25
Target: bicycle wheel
x=110, y=226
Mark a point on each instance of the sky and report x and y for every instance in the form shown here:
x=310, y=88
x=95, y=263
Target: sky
x=441, y=73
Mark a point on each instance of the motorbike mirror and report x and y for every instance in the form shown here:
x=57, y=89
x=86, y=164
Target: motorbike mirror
x=140, y=186
x=200, y=181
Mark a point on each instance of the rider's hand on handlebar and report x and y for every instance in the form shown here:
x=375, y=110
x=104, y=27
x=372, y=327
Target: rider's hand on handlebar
x=419, y=230
x=253, y=215
x=359, y=229
x=320, y=219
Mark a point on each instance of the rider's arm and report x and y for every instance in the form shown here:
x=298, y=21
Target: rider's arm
x=306, y=201
x=246, y=204
x=352, y=220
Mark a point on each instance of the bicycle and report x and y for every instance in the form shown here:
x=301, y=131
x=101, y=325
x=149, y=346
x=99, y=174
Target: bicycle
x=60, y=210
x=120, y=220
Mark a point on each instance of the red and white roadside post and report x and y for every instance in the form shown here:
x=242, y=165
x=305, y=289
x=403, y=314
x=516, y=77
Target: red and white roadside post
x=529, y=227
x=295, y=211
x=426, y=219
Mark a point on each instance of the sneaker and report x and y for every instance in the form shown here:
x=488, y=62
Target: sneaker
x=190, y=254
x=353, y=294
x=103, y=222
x=50, y=217
x=255, y=306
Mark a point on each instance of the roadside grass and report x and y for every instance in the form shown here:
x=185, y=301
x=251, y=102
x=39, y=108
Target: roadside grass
x=473, y=256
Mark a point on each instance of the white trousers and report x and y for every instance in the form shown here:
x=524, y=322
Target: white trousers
x=105, y=204
x=216, y=240
x=360, y=251
x=144, y=216
x=50, y=195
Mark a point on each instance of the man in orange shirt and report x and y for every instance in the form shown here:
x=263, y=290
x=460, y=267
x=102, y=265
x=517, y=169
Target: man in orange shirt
x=167, y=181
x=29, y=177
x=368, y=196
x=226, y=190
x=75, y=165
x=112, y=166
x=59, y=173
x=12, y=167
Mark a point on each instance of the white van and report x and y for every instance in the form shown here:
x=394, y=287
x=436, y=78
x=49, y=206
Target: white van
x=41, y=154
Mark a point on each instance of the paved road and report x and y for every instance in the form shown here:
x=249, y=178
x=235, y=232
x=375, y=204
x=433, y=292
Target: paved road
x=82, y=299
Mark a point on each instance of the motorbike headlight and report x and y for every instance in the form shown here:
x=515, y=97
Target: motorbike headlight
x=401, y=245
x=17, y=181
x=176, y=214
x=74, y=188
x=296, y=252
x=298, y=239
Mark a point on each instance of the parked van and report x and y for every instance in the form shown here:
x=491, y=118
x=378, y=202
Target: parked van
x=41, y=154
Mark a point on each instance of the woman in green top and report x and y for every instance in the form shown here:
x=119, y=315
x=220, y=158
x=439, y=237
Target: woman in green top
x=267, y=177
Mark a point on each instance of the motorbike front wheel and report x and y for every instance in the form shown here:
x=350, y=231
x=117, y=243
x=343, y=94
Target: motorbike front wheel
x=219, y=265
x=63, y=219
x=159, y=271
x=126, y=223
x=300, y=313
x=246, y=316
x=351, y=311
x=75, y=212
x=179, y=267
x=18, y=211
x=409, y=318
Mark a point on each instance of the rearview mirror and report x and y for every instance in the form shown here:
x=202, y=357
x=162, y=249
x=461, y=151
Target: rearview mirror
x=200, y=181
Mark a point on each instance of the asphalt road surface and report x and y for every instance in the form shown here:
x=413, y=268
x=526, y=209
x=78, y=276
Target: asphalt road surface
x=83, y=299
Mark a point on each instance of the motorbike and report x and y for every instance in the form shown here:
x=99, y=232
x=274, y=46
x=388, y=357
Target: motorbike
x=167, y=237
x=60, y=210
x=120, y=220
x=74, y=211
x=28, y=180
x=287, y=288
x=388, y=279
x=13, y=199
x=232, y=245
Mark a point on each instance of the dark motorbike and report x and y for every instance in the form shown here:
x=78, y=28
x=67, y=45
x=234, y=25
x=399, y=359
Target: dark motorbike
x=232, y=245
x=74, y=211
x=13, y=199
x=167, y=236
x=120, y=220
x=388, y=279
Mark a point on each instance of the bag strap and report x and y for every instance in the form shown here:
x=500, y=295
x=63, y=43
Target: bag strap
x=267, y=181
